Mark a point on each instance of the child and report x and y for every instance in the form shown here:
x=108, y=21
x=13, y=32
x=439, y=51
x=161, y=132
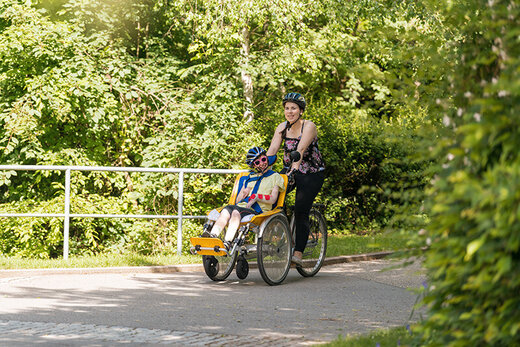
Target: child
x=257, y=194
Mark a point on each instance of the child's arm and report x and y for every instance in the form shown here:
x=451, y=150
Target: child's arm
x=243, y=193
x=271, y=198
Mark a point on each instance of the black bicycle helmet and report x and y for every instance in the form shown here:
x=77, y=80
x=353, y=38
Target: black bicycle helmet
x=297, y=98
x=254, y=153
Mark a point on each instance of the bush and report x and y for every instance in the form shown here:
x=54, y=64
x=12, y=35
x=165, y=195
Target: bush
x=367, y=161
x=474, y=261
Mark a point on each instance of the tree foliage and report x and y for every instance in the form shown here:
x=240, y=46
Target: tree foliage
x=167, y=84
x=416, y=105
x=473, y=264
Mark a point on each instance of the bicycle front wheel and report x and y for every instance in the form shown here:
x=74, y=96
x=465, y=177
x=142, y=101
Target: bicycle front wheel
x=316, y=248
x=274, y=250
x=218, y=268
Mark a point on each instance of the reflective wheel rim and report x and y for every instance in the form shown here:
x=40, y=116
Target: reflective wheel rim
x=225, y=266
x=314, y=253
x=275, y=251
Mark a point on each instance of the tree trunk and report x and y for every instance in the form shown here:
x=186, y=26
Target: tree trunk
x=247, y=80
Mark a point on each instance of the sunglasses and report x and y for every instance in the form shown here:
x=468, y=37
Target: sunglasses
x=261, y=160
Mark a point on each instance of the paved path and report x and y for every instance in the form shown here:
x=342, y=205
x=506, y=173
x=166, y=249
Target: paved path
x=187, y=308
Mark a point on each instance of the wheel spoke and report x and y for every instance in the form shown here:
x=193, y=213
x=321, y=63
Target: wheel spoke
x=223, y=268
x=314, y=253
x=274, y=251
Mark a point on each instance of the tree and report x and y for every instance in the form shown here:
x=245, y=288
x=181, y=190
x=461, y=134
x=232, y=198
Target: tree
x=70, y=98
x=249, y=39
x=173, y=84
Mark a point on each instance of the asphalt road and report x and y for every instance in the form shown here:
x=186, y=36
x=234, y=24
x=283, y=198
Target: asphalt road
x=187, y=308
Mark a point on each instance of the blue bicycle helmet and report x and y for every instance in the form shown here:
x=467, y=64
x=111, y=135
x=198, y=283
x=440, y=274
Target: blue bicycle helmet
x=254, y=153
x=297, y=98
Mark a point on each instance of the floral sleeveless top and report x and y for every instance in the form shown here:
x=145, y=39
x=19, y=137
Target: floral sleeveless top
x=312, y=160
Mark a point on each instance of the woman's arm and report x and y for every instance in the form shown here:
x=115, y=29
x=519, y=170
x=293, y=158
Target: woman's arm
x=309, y=134
x=276, y=141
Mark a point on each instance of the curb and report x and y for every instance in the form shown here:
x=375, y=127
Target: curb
x=166, y=268
x=356, y=257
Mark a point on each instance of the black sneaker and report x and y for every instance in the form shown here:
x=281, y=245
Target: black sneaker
x=207, y=234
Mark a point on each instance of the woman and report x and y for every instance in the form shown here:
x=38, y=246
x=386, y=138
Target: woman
x=300, y=135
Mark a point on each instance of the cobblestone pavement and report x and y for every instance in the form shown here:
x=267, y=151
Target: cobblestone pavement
x=178, y=309
x=55, y=334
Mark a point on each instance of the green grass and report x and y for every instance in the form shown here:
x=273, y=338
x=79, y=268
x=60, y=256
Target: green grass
x=384, y=338
x=358, y=244
x=106, y=260
x=337, y=245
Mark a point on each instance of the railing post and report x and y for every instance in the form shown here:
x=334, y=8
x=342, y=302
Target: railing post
x=179, y=212
x=67, y=216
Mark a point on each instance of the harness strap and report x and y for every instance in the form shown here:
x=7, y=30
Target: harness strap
x=244, y=180
x=258, y=179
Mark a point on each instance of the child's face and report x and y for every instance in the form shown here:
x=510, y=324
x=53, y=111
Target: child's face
x=261, y=163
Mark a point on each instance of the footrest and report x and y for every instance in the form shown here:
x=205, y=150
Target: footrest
x=208, y=246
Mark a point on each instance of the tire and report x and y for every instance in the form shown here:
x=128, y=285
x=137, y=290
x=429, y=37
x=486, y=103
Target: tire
x=274, y=250
x=218, y=268
x=242, y=268
x=316, y=248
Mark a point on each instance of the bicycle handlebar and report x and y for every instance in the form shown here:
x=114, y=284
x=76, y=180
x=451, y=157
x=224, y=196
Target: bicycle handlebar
x=294, y=156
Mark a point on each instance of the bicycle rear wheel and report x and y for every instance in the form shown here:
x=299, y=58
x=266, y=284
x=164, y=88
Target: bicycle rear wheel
x=316, y=248
x=274, y=250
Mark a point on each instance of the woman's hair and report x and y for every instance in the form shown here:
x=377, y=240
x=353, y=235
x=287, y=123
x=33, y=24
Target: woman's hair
x=284, y=131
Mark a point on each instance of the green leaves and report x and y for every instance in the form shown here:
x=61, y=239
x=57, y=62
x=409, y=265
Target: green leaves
x=164, y=84
x=472, y=247
x=473, y=262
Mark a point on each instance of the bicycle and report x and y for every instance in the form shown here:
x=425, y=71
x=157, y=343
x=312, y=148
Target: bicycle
x=272, y=247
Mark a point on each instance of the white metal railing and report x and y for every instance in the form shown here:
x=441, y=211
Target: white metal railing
x=66, y=215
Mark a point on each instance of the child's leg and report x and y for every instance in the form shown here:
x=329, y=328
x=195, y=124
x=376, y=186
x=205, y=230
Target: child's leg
x=220, y=223
x=234, y=222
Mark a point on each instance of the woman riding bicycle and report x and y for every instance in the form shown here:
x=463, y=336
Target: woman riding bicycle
x=300, y=135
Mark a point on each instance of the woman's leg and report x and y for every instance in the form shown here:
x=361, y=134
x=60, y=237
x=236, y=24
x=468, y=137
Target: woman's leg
x=307, y=188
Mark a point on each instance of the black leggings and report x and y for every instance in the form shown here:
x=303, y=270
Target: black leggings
x=307, y=187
